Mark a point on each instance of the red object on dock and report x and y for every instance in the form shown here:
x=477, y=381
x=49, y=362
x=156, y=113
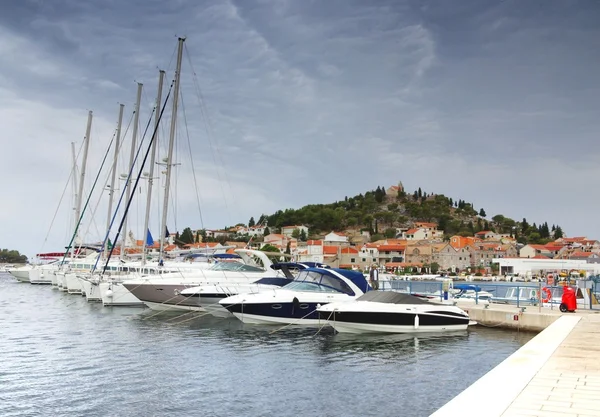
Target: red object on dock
x=568, y=301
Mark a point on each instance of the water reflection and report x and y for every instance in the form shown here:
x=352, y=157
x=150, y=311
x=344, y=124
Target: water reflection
x=64, y=356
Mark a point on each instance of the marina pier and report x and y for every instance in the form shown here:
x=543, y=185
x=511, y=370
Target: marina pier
x=556, y=373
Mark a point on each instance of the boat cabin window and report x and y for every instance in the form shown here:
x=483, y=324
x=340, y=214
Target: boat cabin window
x=235, y=266
x=316, y=282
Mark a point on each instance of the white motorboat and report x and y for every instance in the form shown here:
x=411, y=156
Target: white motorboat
x=163, y=291
x=21, y=273
x=296, y=303
x=393, y=312
x=208, y=296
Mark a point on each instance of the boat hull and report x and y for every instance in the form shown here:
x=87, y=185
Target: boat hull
x=392, y=322
x=113, y=294
x=168, y=294
x=277, y=313
x=172, y=307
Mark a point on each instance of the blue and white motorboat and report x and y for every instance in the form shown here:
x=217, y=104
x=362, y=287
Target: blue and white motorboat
x=209, y=295
x=297, y=302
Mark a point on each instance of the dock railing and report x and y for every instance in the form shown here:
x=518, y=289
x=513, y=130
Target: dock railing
x=520, y=294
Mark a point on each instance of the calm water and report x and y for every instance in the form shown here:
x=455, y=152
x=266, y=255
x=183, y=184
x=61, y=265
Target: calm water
x=60, y=355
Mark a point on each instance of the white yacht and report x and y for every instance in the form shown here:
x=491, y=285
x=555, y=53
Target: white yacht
x=163, y=292
x=393, y=312
x=208, y=296
x=297, y=302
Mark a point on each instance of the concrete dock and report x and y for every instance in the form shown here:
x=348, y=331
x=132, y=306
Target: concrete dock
x=557, y=373
x=529, y=318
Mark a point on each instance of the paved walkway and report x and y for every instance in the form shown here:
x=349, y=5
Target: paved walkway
x=555, y=374
x=568, y=384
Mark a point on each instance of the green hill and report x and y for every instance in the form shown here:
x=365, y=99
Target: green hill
x=382, y=211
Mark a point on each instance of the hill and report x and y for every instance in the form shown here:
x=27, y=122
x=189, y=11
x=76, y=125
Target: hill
x=383, y=212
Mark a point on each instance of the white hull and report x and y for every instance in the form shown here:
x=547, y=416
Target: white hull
x=73, y=285
x=167, y=307
x=344, y=327
x=256, y=319
x=92, y=292
x=21, y=274
x=38, y=276
x=62, y=282
x=215, y=309
x=114, y=294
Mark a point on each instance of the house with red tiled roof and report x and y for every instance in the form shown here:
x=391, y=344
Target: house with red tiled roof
x=583, y=255
x=289, y=230
x=531, y=250
x=414, y=234
x=394, y=190
x=390, y=253
x=485, y=234
x=458, y=242
x=280, y=241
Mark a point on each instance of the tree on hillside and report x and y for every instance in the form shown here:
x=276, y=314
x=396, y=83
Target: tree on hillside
x=251, y=222
x=558, y=233
x=296, y=234
x=303, y=235
x=419, y=193
x=187, y=236
x=197, y=238
x=415, y=196
x=379, y=194
x=390, y=233
x=524, y=225
x=269, y=248
x=482, y=213
x=12, y=257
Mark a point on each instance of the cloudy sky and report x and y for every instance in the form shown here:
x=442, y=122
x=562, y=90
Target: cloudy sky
x=296, y=102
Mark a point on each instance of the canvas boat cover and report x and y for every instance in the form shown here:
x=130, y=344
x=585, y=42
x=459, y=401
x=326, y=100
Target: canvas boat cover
x=391, y=297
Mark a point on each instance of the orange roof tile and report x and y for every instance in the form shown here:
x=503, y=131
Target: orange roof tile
x=582, y=254
x=399, y=248
x=330, y=250
x=349, y=250
x=411, y=231
x=314, y=243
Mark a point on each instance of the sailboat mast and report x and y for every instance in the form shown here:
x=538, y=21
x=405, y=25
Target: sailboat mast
x=74, y=187
x=83, y=164
x=169, y=162
x=136, y=120
x=111, y=190
x=161, y=78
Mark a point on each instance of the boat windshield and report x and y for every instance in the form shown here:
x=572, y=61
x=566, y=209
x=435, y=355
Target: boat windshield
x=235, y=266
x=313, y=281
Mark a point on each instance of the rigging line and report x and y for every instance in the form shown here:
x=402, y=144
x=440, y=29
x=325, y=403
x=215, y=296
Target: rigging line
x=88, y=200
x=208, y=128
x=137, y=179
x=71, y=175
x=192, y=162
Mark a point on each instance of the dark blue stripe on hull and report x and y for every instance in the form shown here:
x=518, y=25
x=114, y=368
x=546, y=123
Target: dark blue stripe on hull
x=394, y=319
x=279, y=310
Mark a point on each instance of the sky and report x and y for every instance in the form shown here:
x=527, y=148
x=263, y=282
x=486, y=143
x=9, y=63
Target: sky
x=286, y=103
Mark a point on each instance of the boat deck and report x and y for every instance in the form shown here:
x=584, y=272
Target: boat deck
x=557, y=373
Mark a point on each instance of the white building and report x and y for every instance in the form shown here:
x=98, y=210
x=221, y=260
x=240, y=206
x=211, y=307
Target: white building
x=335, y=238
x=289, y=230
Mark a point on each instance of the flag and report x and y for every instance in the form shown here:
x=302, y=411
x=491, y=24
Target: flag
x=110, y=245
x=149, y=240
x=166, y=232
